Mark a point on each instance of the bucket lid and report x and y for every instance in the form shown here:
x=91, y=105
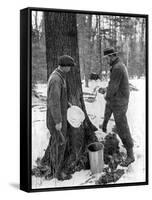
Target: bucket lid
x=75, y=116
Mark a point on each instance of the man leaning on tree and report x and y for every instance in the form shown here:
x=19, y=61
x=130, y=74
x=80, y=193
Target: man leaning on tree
x=57, y=105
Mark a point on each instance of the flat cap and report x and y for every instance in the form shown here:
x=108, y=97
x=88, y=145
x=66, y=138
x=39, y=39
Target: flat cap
x=109, y=51
x=66, y=60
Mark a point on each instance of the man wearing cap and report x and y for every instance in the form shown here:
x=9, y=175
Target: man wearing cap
x=117, y=98
x=57, y=115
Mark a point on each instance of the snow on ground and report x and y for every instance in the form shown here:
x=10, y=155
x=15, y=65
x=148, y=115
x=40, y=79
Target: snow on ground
x=136, y=119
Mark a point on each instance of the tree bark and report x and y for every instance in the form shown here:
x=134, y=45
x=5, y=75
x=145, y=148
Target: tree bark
x=88, y=50
x=61, y=38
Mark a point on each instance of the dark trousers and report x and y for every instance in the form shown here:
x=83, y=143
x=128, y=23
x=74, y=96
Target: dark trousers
x=119, y=113
x=54, y=154
x=107, y=114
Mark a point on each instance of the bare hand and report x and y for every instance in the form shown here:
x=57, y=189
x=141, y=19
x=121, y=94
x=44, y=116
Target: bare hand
x=58, y=126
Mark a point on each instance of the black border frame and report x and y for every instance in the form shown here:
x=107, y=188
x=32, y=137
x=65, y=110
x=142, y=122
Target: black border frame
x=26, y=101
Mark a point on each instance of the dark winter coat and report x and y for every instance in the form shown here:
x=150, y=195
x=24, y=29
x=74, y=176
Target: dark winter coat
x=57, y=100
x=117, y=101
x=56, y=113
x=118, y=88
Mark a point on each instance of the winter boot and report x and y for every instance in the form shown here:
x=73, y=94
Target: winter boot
x=130, y=158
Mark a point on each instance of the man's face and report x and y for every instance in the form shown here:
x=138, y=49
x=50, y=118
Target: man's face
x=110, y=59
x=107, y=61
x=66, y=69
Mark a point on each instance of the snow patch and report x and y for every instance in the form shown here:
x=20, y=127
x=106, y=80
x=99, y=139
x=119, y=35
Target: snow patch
x=136, y=119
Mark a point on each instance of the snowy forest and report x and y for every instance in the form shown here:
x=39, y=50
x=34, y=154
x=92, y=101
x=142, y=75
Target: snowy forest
x=84, y=36
x=95, y=32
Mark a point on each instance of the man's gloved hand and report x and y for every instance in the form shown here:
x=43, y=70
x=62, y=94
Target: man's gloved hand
x=102, y=90
x=105, y=96
x=58, y=126
x=103, y=127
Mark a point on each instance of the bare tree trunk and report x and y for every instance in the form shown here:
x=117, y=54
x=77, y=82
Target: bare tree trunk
x=81, y=21
x=36, y=20
x=42, y=25
x=99, y=46
x=61, y=38
x=88, y=50
x=127, y=52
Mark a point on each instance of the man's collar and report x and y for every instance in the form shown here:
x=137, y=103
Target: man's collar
x=115, y=61
x=62, y=73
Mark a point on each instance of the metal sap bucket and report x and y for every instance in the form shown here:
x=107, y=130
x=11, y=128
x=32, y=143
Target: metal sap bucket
x=96, y=158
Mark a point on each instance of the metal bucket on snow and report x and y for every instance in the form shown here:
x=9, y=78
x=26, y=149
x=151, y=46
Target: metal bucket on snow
x=96, y=158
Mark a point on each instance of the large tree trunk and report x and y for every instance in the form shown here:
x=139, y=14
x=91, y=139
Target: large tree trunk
x=61, y=38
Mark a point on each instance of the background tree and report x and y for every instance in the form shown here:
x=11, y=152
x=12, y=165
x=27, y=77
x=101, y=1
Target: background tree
x=84, y=24
x=96, y=32
x=35, y=28
x=39, y=71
